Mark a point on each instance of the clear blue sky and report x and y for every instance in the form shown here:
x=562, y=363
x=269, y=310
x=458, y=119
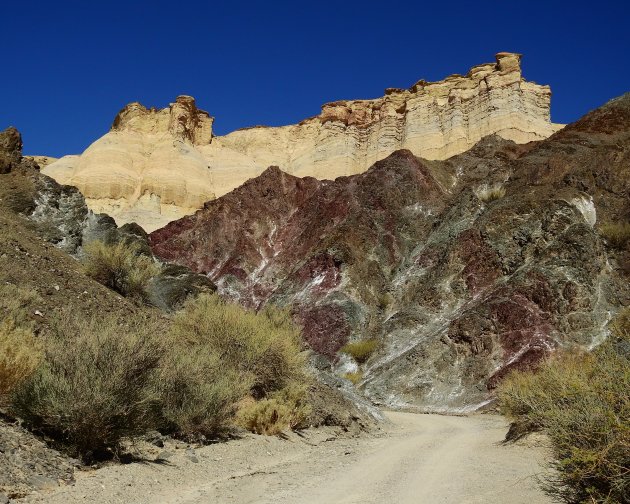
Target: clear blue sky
x=68, y=67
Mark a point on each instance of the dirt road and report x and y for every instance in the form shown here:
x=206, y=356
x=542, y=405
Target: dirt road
x=417, y=459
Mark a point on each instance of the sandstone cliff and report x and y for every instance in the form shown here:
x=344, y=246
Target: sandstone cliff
x=460, y=269
x=155, y=166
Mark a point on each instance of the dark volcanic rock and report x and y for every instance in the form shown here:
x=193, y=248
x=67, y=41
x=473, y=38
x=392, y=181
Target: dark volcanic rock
x=287, y=239
x=10, y=149
x=60, y=212
x=458, y=286
x=27, y=464
x=175, y=284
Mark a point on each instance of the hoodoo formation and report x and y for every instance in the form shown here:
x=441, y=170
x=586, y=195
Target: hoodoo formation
x=156, y=166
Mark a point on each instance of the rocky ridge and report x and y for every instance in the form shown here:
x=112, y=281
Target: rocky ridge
x=155, y=166
x=460, y=269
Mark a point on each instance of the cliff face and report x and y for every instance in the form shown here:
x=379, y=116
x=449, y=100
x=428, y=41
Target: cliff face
x=158, y=165
x=460, y=269
x=434, y=120
x=147, y=168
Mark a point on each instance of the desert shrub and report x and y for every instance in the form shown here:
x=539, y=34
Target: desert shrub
x=581, y=402
x=284, y=409
x=354, y=377
x=617, y=234
x=95, y=385
x=20, y=355
x=120, y=267
x=385, y=300
x=18, y=304
x=230, y=353
x=490, y=193
x=198, y=394
x=265, y=346
x=360, y=351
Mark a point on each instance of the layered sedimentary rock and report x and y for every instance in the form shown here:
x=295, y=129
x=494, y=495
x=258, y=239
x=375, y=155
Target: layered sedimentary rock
x=158, y=165
x=146, y=169
x=460, y=270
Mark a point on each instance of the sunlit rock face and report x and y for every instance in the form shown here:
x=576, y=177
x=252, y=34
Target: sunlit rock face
x=155, y=166
x=147, y=169
x=458, y=285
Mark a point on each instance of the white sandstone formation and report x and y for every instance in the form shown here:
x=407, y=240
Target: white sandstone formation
x=155, y=166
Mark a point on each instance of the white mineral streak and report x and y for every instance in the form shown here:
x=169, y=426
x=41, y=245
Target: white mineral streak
x=586, y=207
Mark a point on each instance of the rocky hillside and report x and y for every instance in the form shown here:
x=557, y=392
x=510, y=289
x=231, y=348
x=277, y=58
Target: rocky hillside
x=459, y=270
x=155, y=166
x=50, y=281
x=43, y=228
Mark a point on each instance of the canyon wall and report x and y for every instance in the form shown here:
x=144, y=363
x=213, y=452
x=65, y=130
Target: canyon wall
x=155, y=166
x=455, y=272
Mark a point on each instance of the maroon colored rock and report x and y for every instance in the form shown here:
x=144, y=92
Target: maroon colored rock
x=458, y=288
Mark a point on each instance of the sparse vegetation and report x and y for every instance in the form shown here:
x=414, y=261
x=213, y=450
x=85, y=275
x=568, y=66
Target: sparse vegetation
x=226, y=353
x=18, y=304
x=488, y=194
x=98, y=381
x=385, y=300
x=581, y=402
x=265, y=346
x=282, y=410
x=199, y=395
x=20, y=354
x=19, y=357
x=360, y=351
x=617, y=234
x=95, y=385
x=354, y=377
x=120, y=267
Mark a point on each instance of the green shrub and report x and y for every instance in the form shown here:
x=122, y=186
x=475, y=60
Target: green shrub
x=198, y=394
x=232, y=353
x=385, y=301
x=96, y=384
x=361, y=351
x=104, y=379
x=581, y=402
x=265, y=346
x=354, y=377
x=120, y=267
x=489, y=194
x=617, y=234
x=282, y=410
x=19, y=357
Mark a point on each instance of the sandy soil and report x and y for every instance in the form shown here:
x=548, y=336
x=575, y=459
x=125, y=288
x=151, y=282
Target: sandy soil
x=418, y=458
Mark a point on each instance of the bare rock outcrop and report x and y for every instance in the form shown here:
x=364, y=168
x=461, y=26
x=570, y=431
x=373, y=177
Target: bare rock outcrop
x=10, y=149
x=155, y=166
x=434, y=120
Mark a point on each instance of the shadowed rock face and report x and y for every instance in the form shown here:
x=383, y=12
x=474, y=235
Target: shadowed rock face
x=458, y=287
